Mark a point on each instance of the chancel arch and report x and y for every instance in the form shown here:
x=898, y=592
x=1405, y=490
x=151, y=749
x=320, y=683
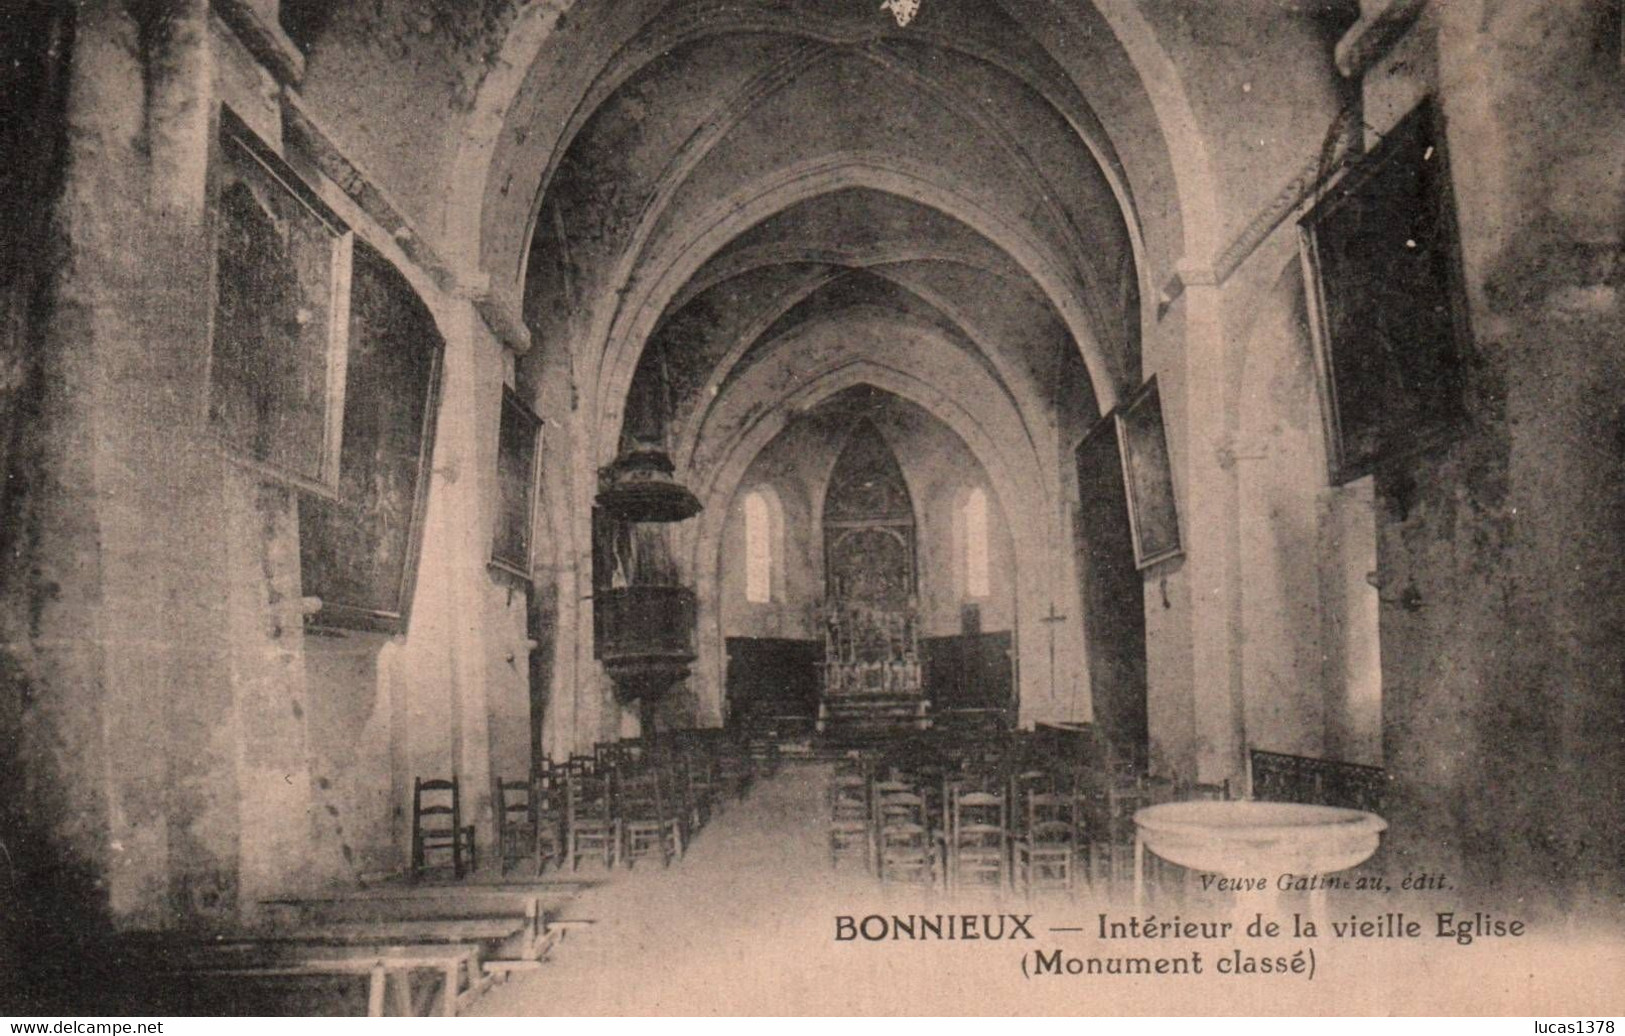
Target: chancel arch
x=1026, y=554
x=870, y=480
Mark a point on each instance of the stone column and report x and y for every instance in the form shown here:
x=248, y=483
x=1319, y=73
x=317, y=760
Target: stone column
x=129, y=735
x=1209, y=526
x=1500, y=554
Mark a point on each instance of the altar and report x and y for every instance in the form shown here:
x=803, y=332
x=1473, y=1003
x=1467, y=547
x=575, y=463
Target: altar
x=871, y=684
x=871, y=679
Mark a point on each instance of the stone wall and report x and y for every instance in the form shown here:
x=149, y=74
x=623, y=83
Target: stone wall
x=1499, y=556
x=186, y=748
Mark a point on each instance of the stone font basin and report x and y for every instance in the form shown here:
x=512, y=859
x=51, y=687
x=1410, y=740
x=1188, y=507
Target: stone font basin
x=1259, y=839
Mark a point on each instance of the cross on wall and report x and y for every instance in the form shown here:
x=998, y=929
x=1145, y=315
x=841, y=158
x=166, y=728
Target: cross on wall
x=1049, y=622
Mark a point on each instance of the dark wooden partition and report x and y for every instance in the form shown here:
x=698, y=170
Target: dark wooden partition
x=773, y=681
x=969, y=679
x=1112, y=593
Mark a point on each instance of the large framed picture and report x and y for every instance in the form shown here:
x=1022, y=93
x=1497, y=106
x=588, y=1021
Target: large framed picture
x=1148, y=480
x=278, y=342
x=517, y=439
x=1387, y=309
x=358, y=553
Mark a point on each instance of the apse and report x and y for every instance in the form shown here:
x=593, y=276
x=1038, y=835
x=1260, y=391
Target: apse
x=869, y=505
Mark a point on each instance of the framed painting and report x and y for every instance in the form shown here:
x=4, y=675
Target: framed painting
x=1387, y=310
x=279, y=325
x=518, y=436
x=359, y=552
x=1148, y=479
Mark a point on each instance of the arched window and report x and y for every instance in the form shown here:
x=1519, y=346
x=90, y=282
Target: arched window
x=759, y=546
x=973, y=519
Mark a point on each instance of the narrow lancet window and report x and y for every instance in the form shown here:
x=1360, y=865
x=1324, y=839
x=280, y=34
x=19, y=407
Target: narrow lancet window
x=975, y=523
x=758, y=550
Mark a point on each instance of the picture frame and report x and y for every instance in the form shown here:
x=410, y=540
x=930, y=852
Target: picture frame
x=1387, y=308
x=279, y=319
x=518, y=454
x=359, y=551
x=1148, y=477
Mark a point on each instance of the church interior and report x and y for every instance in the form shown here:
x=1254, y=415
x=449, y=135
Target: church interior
x=530, y=506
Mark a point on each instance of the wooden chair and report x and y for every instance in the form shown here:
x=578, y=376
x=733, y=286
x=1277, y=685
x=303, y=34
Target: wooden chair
x=516, y=822
x=590, y=823
x=548, y=794
x=734, y=770
x=764, y=752
x=1115, y=796
x=437, y=826
x=693, y=789
x=1049, y=841
x=905, y=850
x=708, y=781
x=978, y=830
x=1196, y=791
x=705, y=774
x=649, y=821
x=849, y=829
x=612, y=755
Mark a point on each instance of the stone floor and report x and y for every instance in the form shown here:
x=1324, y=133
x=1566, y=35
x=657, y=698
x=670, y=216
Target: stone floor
x=746, y=923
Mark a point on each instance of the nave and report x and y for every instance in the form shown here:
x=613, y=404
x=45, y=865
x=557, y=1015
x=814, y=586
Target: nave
x=416, y=396
x=745, y=924
x=727, y=929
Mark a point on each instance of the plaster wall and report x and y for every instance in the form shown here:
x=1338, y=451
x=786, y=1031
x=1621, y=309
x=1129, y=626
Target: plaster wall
x=1275, y=80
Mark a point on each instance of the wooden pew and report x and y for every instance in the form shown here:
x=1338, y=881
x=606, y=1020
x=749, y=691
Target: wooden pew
x=389, y=968
x=511, y=925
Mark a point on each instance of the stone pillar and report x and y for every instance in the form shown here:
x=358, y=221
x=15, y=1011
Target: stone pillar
x=1209, y=526
x=566, y=558
x=466, y=441
x=1500, y=554
x=129, y=736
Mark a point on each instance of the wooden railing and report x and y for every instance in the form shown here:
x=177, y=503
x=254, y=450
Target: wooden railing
x=1278, y=777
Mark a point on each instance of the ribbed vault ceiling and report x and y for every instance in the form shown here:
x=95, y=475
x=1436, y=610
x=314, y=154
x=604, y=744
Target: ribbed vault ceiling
x=739, y=175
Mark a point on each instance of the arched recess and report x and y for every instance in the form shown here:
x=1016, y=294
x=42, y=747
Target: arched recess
x=870, y=527
x=1042, y=561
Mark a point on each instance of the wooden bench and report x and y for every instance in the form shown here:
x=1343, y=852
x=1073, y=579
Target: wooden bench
x=428, y=931
x=510, y=925
x=389, y=969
